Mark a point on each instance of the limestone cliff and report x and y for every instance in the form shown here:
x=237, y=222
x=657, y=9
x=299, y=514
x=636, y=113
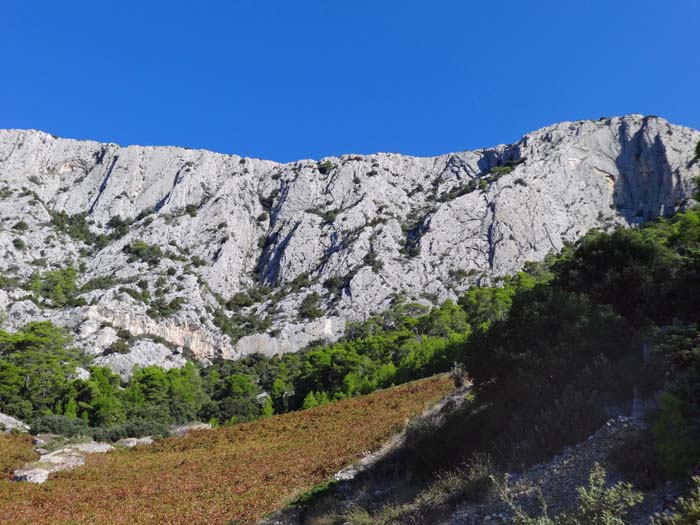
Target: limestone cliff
x=357, y=230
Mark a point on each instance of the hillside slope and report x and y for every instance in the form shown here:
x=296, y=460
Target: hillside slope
x=239, y=472
x=208, y=255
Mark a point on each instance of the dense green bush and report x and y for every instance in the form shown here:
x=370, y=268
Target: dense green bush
x=132, y=428
x=59, y=424
x=677, y=423
x=325, y=167
x=75, y=226
x=499, y=171
x=35, y=365
x=119, y=226
x=98, y=283
x=58, y=286
x=160, y=308
x=649, y=275
x=238, y=325
x=144, y=252
x=309, y=308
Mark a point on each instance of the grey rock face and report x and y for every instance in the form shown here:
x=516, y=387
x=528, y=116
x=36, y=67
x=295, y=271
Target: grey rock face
x=9, y=423
x=143, y=353
x=356, y=230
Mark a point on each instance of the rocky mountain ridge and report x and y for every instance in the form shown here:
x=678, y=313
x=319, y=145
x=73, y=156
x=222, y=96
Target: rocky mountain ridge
x=191, y=254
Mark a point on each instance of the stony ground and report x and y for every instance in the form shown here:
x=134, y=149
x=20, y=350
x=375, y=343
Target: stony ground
x=558, y=479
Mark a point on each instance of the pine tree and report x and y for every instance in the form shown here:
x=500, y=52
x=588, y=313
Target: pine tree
x=267, y=408
x=310, y=401
x=71, y=409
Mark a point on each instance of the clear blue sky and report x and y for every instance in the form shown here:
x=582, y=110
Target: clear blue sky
x=302, y=79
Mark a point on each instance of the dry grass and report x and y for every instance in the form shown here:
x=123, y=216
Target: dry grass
x=409, y=503
x=237, y=473
x=15, y=451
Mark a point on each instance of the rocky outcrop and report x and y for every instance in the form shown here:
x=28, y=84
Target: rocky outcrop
x=142, y=353
x=65, y=458
x=9, y=424
x=358, y=231
x=134, y=442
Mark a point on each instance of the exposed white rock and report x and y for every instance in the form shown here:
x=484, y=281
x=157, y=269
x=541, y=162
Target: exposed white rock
x=81, y=373
x=65, y=458
x=9, y=423
x=186, y=429
x=31, y=475
x=142, y=353
x=134, y=442
x=380, y=225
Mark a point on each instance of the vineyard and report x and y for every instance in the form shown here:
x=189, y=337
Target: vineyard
x=15, y=451
x=234, y=474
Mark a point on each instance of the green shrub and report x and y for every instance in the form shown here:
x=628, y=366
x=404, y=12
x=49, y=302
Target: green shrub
x=21, y=226
x=458, y=191
x=120, y=346
x=471, y=483
x=198, y=261
x=299, y=282
x=19, y=243
x=377, y=264
x=58, y=286
x=677, y=421
x=686, y=510
x=98, y=283
x=59, y=424
x=335, y=284
x=499, y=171
x=142, y=251
x=161, y=308
x=597, y=504
x=119, y=226
x=142, y=295
x=325, y=167
x=238, y=326
x=239, y=300
x=309, y=307
x=75, y=226
x=131, y=429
